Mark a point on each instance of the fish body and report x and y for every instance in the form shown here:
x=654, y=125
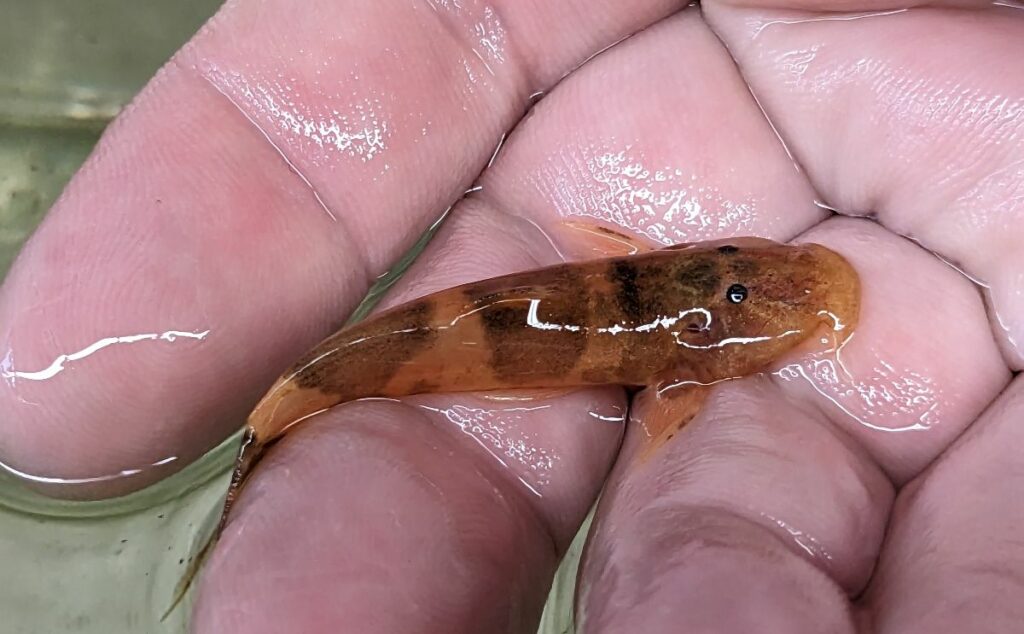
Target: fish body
x=696, y=313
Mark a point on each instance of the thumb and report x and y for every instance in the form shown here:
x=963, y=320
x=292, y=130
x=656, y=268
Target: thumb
x=744, y=520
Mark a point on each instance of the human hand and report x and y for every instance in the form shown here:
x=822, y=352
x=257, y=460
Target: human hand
x=285, y=158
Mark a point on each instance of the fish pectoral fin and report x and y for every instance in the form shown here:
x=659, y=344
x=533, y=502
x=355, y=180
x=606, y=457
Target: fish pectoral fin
x=743, y=242
x=525, y=394
x=591, y=239
x=665, y=413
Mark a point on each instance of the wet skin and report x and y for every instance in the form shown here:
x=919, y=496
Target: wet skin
x=806, y=500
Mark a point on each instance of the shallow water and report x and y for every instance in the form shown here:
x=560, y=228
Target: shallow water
x=67, y=67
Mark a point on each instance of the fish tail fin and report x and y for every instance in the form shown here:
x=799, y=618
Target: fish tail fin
x=248, y=455
x=185, y=583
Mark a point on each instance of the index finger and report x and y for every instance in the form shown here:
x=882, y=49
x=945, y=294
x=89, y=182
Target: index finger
x=241, y=207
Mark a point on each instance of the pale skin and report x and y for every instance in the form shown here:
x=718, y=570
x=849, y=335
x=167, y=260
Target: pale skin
x=784, y=506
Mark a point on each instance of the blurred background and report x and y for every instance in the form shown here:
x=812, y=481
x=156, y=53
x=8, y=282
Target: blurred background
x=67, y=67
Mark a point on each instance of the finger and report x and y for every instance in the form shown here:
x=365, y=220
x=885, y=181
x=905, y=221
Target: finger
x=953, y=558
x=237, y=211
x=393, y=498
x=756, y=517
x=910, y=117
x=470, y=449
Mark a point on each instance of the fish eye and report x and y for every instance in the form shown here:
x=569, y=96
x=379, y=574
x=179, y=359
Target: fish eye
x=736, y=293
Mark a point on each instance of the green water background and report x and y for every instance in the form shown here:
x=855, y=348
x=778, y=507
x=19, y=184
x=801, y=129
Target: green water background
x=67, y=67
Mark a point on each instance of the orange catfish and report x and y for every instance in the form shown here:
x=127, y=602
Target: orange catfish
x=696, y=313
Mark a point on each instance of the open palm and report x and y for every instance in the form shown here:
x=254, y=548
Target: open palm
x=240, y=209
